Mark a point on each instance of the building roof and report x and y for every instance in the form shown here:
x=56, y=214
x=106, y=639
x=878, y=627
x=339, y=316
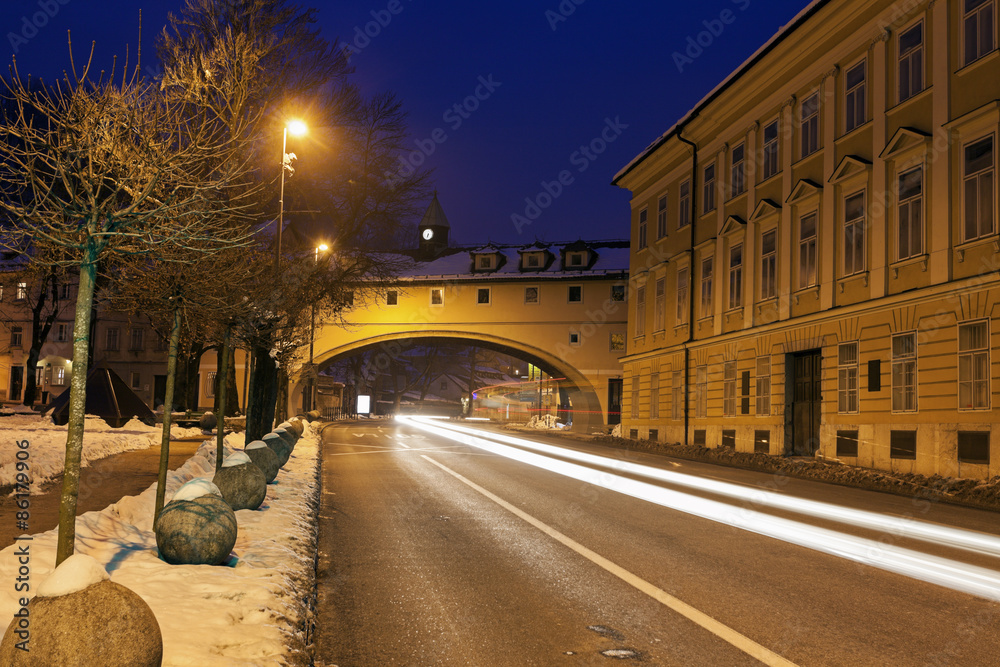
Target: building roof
x=434, y=215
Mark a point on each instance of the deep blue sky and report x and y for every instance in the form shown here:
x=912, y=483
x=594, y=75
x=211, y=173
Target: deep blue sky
x=560, y=81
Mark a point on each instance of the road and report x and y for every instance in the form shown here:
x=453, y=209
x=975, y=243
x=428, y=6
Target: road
x=444, y=550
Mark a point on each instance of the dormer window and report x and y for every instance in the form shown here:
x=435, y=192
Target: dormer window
x=484, y=262
x=576, y=259
x=532, y=261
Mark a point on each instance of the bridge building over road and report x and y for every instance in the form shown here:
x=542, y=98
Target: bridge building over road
x=558, y=306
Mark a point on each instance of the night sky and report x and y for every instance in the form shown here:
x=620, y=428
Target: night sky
x=534, y=83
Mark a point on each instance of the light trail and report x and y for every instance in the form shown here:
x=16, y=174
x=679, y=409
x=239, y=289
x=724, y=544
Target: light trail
x=968, y=540
x=951, y=574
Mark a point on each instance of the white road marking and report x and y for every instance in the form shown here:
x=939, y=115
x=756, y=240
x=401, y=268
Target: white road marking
x=720, y=630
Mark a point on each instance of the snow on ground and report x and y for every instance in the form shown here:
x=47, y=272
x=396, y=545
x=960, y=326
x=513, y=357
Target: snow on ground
x=47, y=449
x=544, y=422
x=247, y=612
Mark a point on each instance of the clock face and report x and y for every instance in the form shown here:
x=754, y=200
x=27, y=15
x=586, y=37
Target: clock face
x=428, y=234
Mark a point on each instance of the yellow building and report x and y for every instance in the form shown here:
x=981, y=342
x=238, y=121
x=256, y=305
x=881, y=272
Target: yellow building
x=815, y=247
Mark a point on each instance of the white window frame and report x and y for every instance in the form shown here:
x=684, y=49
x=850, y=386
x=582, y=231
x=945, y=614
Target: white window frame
x=974, y=367
x=809, y=125
x=770, y=150
x=904, y=373
x=569, y=294
x=643, y=224
x=982, y=180
x=729, y=389
x=808, y=268
x=136, y=339
x=763, y=386
x=437, y=297
x=479, y=296
x=661, y=216
x=909, y=214
x=392, y=298
x=708, y=188
x=707, y=268
x=640, y=312
x=736, y=276
x=16, y=336
x=654, y=395
x=856, y=97
x=58, y=376
x=484, y=262
x=22, y=292
x=768, y=266
x=913, y=82
x=701, y=392
x=538, y=295
x=981, y=16
x=847, y=378
x=683, y=289
x=112, y=339
x=63, y=332
x=738, y=172
x=660, y=304
x=855, y=250
x=684, y=204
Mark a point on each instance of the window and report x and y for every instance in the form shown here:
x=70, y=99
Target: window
x=532, y=260
x=39, y=375
x=574, y=259
x=62, y=332
x=763, y=386
x=973, y=366
x=728, y=438
x=531, y=295
x=661, y=217
x=684, y=205
x=978, y=189
x=654, y=396
x=770, y=155
x=807, y=250
x=137, y=339
x=392, y=298
x=911, y=61
x=729, y=389
x=617, y=342
x=443, y=385
x=635, y=397
x=111, y=339
x=736, y=276
x=709, y=189
x=904, y=372
x=574, y=338
x=768, y=264
x=618, y=293
x=762, y=442
x=643, y=215
x=136, y=382
x=484, y=262
x=855, y=105
x=706, y=287
x=16, y=336
x=847, y=443
x=58, y=376
x=64, y=291
x=847, y=378
x=911, y=228
x=682, y=295
x=640, y=312
x=677, y=411
x=483, y=296
x=977, y=24
x=437, y=296
x=854, y=234
x=349, y=299
x=974, y=447
x=660, y=306
x=22, y=291
x=903, y=445
x=162, y=344
x=701, y=392
x=809, y=125
x=737, y=182
x=574, y=294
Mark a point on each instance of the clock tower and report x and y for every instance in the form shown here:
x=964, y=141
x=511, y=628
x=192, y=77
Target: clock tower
x=433, y=229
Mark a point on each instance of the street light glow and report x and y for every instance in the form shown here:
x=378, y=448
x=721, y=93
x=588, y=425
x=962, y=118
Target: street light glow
x=322, y=247
x=297, y=128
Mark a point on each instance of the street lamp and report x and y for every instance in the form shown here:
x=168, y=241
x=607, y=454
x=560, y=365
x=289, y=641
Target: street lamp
x=297, y=128
x=322, y=247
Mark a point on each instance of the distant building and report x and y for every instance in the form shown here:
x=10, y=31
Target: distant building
x=815, y=247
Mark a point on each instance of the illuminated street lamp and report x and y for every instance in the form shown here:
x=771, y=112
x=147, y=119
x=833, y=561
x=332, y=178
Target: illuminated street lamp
x=297, y=128
x=322, y=247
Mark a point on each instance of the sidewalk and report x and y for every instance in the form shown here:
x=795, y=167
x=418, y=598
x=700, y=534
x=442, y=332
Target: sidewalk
x=102, y=483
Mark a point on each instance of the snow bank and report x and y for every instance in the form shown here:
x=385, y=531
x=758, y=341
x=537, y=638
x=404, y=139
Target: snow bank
x=196, y=488
x=249, y=613
x=47, y=449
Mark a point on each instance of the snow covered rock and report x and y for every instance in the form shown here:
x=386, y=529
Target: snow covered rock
x=287, y=436
x=279, y=446
x=208, y=421
x=264, y=458
x=243, y=485
x=295, y=426
x=201, y=531
x=80, y=617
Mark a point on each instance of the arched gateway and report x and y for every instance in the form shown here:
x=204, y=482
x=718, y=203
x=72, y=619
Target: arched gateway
x=558, y=306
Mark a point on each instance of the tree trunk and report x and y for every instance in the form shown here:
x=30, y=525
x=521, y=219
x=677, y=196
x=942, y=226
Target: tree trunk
x=281, y=400
x=161, y=479
x=77, y=406
x=232, y=391
x=221, y=395
x=39, y=334
x=264, y=393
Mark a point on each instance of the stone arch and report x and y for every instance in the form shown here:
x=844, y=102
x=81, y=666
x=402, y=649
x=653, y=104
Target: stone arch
x=587, y=411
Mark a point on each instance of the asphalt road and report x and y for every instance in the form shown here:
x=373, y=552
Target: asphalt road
x=435, y=552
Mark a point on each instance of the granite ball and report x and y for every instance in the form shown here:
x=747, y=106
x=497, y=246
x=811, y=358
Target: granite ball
x=201, y=531
x=243, y=486
x=264, y=458
x=279, y=446
x=208, y=421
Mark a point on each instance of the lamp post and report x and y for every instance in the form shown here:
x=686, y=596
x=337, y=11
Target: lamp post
x=322, y=247
x=297, y=128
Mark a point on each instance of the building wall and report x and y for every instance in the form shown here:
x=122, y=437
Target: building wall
x=894, y=167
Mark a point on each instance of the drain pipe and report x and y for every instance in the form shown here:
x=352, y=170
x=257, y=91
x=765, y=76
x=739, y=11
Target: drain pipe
x=690, y=336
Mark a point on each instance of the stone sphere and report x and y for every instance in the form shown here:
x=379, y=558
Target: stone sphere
x=196, y=532
x=313, y=415
x=208, y=421
x=243, y=486
x=287, y=436
x=279, y=447
x=295, y=426
x=264, y=458
x=102, y=624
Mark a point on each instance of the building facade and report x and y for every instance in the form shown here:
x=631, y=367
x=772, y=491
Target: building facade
x=815, y=247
